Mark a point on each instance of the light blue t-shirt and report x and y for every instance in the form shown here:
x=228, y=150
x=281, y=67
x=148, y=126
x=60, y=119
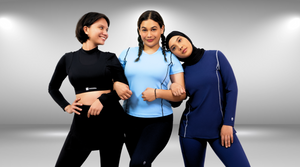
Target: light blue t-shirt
x=150, y=71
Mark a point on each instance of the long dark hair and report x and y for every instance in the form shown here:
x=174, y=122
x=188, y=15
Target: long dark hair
x=155, y=16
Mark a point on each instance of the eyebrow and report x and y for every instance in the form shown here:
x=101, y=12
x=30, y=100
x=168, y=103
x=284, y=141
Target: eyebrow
x=151, y=27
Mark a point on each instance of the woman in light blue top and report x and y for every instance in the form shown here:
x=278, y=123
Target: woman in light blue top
x=149, y=69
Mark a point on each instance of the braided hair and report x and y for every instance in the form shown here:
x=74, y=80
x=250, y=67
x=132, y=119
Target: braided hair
x=155, y=16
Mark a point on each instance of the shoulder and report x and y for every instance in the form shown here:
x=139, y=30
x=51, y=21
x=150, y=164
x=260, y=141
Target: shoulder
x=129, y=51
x=214, y=52
x=67, y=57
x=108, y=55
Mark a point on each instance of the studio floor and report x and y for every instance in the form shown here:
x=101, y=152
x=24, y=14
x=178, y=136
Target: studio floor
x=39, y=146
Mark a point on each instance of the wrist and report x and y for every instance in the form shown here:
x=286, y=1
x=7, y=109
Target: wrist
x=66, y=108
x=155, y=93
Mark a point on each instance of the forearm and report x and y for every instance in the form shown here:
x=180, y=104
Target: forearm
x=168, y=95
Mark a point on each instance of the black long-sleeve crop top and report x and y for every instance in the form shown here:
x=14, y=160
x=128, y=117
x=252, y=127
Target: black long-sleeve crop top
x=87, y=71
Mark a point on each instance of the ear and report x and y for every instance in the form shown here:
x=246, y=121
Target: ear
x=162, y=29
x=86, y=30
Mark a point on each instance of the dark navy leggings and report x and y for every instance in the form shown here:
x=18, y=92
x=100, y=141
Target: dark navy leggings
x=193, y=152
x=145, y=138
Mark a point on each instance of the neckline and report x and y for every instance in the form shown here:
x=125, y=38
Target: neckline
x=159, y=49
x=89, y=52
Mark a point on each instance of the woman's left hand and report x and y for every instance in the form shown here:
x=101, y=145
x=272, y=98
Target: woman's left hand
x=177, y=89
x=226, y=135
x=149, y=94
x=95, y=108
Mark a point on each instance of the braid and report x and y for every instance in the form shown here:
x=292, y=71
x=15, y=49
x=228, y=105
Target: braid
x=163, y=43
x=141, y=47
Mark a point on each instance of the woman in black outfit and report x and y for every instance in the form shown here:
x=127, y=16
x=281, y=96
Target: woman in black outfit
x=98, y=118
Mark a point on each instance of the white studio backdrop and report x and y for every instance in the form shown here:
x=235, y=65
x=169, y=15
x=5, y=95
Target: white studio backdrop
x=260, y=38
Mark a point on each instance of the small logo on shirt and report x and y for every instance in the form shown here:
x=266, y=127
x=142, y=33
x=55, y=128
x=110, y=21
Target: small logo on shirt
x=90, y=88
x=231, y=118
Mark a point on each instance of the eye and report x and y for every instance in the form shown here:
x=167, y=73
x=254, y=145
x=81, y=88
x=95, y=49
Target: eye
x=179, y=40
x=153, y=29
x=173, y=48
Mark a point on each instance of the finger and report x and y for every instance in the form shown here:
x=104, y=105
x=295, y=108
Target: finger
x=77, y=100
x=231, y=138
x=92, y=111
x=98, y=112
x=89, y=113
x=77, y=104
x=128, y=95
x=76, y=112
x=227, y=141
x=76, y=108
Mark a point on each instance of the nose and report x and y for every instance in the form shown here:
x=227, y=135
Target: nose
x=180, y=47
x=105, y=32
x=149, y=34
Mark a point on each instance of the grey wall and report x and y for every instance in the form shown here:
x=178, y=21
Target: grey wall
x=254, y=35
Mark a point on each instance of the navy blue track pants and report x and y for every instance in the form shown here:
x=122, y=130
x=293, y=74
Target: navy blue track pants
x=193, y=152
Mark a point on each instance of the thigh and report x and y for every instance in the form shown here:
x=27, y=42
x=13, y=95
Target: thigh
x=193, y=151
x=72, y=157
x=234, y=156
x=110, y=151
x=152, y=141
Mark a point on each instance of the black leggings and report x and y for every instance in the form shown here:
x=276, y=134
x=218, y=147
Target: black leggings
x=146, y=138
x=103, y=132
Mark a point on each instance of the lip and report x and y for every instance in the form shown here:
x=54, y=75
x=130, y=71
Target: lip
x=150, y=40
x=184, y=51
x=103, y=38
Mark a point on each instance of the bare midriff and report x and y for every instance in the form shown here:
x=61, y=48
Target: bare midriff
x=88, y=98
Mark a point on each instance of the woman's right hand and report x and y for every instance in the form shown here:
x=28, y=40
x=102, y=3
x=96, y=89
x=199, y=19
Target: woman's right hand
x=122, y=90
x=177, y=89
x=73, y=107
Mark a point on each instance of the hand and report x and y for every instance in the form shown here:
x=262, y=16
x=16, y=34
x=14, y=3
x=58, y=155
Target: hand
x=122, y=90
x=226, y=135
x=73, y=107
x=95, y=108
x=149, y=95
x=177, y=89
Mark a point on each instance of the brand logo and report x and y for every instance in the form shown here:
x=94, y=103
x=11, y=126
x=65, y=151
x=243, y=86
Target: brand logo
x=90, y=88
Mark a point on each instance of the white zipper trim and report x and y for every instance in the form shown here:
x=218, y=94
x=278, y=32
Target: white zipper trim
x=218, y=68
x=187, y=121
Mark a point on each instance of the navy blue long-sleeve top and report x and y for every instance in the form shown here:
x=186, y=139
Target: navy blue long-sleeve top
x=212, y=90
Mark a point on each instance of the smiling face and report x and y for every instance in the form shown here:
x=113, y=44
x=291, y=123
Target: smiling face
x=150, y=32
x=180, y=46
x=97, y=32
